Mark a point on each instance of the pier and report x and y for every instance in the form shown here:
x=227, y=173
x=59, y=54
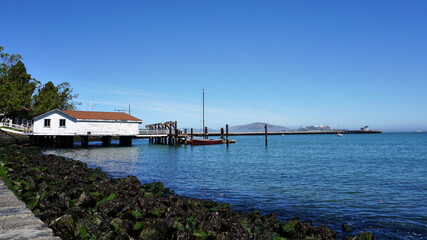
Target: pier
x=168, y=133
x=291, y=133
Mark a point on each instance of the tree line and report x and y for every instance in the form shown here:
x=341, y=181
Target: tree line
x=25, y=97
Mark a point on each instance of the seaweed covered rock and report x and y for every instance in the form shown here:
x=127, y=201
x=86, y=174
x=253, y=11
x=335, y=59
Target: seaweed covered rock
x=296, y=229
x=78, y=202
x=362, y=236
x=6, y=139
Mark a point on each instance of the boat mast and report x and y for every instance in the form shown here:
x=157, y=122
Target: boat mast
x=204, y=136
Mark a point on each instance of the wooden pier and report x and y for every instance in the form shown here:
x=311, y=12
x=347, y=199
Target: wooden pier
x=168, y=133
x=292, y=133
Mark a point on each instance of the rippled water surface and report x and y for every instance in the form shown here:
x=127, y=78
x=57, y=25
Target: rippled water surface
x=375, y=182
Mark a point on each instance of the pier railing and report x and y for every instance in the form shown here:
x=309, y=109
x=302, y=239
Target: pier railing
x=17, y=127
x=154, y=132
x=291, y=133
x=165, y=132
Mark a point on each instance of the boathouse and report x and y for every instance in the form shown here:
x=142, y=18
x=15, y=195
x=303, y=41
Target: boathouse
x=59, y=127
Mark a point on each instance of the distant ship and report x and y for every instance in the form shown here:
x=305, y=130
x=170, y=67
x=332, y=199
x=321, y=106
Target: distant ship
x=339, y=134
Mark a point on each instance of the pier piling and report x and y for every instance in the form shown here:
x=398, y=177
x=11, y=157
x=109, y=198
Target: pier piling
x=125, y=141
x=265, y=134
x=191, y=136
x=106, y=141
x=226, y=134
x=84, y=141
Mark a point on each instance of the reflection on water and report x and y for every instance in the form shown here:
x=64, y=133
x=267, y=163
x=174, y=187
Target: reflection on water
x=374, y=182
x=117, y=161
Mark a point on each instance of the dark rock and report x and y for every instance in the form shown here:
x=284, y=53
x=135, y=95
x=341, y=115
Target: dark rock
x=362, y=236
x=65, y=227
x=85, y=200
x=346, y=227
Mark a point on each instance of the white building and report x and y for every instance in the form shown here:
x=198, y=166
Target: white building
x=86, y=123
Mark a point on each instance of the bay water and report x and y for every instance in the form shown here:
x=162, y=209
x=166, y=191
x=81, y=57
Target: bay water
x=373, y=182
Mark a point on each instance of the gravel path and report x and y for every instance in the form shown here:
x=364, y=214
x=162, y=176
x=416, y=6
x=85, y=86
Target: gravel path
x=17, y=221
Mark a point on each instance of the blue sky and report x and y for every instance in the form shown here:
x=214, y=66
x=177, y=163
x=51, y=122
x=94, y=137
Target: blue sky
x=289, y=63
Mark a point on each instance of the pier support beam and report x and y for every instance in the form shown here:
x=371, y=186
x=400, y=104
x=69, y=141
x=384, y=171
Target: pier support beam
x=191, y=136
x=49, y=141
x=64, y=141
x=70, y=141
x=126, y=141
x=61, y=141
x=84, y=141
x=39, y=141
x=226, y=134
x=106, y=141
x=265, y=134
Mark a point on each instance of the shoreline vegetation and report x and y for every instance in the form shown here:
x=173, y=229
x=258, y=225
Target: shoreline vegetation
x=78, y=202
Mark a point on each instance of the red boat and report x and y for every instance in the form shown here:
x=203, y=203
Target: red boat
x=205, y=141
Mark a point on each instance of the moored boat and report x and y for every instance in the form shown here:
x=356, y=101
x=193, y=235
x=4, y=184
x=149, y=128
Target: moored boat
x=206, y=141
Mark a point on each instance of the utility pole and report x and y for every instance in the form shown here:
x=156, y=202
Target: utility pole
x=92, y=106
x=123, y=110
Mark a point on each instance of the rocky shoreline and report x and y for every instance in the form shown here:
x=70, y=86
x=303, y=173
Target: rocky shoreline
x=78, y=202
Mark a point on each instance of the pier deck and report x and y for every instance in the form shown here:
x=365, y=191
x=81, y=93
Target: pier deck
x=198, y=134
x=290, y=133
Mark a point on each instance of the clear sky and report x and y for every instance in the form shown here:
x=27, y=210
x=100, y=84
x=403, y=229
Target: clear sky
x=289, y=63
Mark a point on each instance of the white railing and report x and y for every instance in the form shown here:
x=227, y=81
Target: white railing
x=21, y=128
x=154, y=132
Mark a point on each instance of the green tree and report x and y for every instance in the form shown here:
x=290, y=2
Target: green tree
x=16, y=86
x=17, y=98
x=51, y=97
x=7, y=60
x=66, y=97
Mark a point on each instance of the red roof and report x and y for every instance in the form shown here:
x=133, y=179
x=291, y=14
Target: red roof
x=120, y=116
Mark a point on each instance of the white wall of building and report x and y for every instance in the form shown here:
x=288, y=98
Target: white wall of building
x=54, y=129
x=83, y=127
x=106, y=128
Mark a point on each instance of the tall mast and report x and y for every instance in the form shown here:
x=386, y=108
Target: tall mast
x=203, y=112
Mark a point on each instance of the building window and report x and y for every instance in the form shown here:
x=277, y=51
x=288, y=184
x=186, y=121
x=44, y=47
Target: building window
x=47, y=123
x=62, y=123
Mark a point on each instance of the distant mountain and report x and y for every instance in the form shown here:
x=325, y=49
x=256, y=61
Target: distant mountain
x=257, y=127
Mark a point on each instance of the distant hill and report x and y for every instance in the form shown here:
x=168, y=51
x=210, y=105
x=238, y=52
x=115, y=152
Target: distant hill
x=257, y=127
